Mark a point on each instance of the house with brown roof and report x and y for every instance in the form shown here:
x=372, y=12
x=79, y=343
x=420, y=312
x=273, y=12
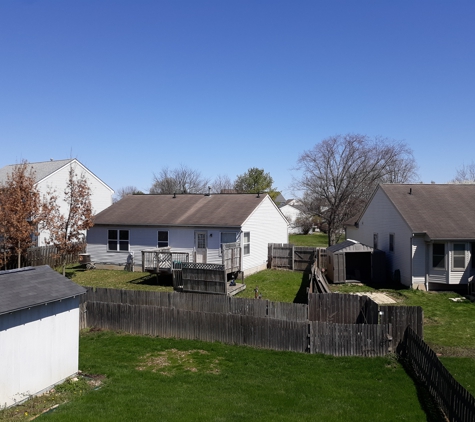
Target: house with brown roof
x=192, y=223
x=426, y=230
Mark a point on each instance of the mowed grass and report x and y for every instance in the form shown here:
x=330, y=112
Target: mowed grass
x=119, y=279
x=448, y=325
x=317, y=240
x=152, y=379
x=278, y=286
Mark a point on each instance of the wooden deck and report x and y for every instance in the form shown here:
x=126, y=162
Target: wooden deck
x=196, y=277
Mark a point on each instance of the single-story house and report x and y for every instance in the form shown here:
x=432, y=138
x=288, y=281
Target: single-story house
x=54, y=174
x=426, y=230
x=39, y=331
x=193, y=223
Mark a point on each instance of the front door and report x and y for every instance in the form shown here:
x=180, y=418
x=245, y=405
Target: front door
x=200, y=246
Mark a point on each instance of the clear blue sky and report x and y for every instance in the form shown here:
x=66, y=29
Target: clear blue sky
x=128, y=87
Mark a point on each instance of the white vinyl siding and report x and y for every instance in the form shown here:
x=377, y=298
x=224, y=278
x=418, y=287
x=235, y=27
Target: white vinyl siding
x=266, y=225
x=43, y=344
x=382, y=217
x=101, y=194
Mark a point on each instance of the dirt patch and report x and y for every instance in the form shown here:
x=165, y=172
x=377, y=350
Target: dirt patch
x=455, y=352
x=172, y=360
x=378, y=297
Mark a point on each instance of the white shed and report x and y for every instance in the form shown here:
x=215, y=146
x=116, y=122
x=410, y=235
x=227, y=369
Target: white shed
x=39, y=331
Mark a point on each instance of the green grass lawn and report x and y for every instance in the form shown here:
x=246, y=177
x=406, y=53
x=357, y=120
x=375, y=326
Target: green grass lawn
x=449, y=329
x=176, y=380
x=278, y=286
x=318, y=240
x=118, y=279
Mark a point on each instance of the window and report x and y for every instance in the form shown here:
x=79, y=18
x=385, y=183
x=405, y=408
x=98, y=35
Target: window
x=375, y=240
x=458, y=257
x=162, y=241
x=438, y=255
x=118, y=240
x=247, y=243
x=391, y=242
x=227, y=237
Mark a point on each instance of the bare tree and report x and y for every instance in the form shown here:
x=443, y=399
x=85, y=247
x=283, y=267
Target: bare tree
x=222, y=183
x=126, y=191
x=340, y=173
x=19, y=210
x=67, y=223
x=179, y=180
x=465, y=174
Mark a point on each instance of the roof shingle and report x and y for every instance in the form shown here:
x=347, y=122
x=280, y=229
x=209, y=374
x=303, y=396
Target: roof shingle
x=230, y=210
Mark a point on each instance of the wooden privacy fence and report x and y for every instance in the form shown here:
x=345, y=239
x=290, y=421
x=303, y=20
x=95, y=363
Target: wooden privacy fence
x=453, y=399
x=291, y=257
x=350, y=339
x=201, y=303
x=267, y=333
x=355, y=327
x=355, y=309
x=47, y=255
x=204, y=278
x=342, y=309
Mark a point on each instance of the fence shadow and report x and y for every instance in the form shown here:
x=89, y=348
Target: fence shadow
x=426, y=400
x=302, y=294
x=154, y=280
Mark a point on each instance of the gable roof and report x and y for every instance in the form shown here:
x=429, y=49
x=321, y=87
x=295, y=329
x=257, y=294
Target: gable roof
x=230, y=210
x=350, y=245
x=440, y=211
x=41, y=170
x=46, y=168
x=33, y=286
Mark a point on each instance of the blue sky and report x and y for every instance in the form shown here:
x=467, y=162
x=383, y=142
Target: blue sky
x=129, y=87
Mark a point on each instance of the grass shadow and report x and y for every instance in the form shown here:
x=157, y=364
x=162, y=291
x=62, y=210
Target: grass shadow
x=302, y=293
x=164, y=280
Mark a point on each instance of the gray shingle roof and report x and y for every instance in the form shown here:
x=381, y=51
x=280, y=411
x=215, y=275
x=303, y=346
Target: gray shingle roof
x=441, y=211
x=41, y=170
x=230, y=210
x=33, y=286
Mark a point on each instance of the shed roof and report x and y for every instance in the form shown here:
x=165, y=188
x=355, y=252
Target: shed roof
x=33, y=286
x=440, y=211
x=227, y=210
x=350, y=246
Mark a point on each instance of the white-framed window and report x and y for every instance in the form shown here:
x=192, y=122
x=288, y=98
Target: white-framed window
x=391, y=242
x=118, y=240
x=458, y=256
x=226, y=237
x=247, y=243
x=438, y=256
x=162, y=239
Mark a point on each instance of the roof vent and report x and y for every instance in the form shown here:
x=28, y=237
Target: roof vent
x=410, y=191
